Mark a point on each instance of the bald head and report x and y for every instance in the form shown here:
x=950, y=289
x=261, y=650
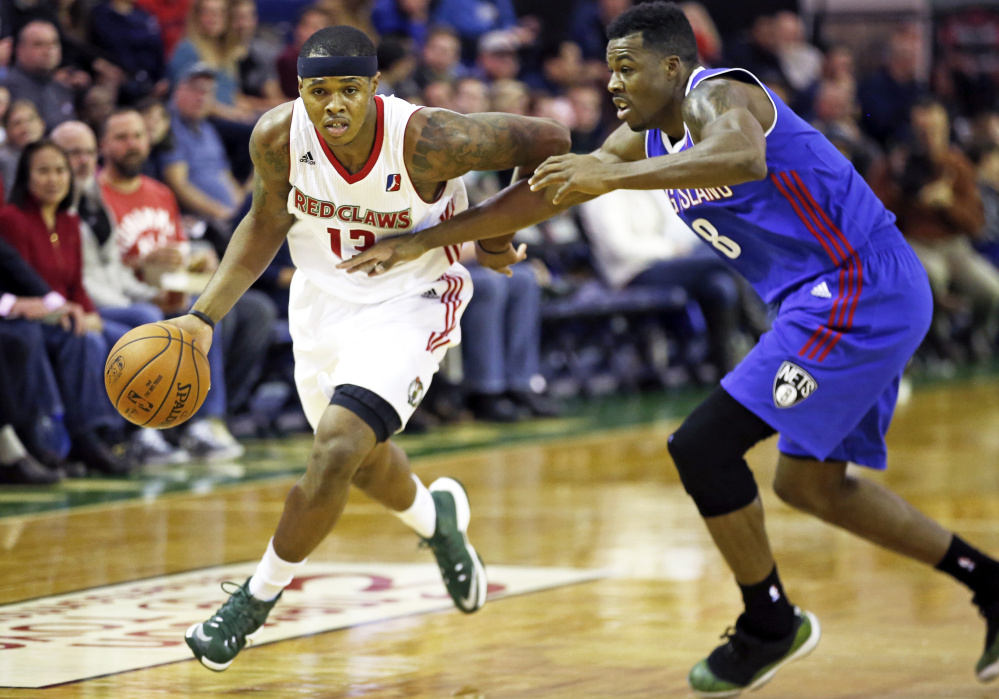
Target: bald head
x=80, y=144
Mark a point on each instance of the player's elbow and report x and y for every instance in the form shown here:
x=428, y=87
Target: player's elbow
x=753, y=166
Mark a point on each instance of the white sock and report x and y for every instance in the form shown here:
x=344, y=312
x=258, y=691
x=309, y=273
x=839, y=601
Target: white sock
x=421, y=516
x=273, y=574
x=11, y=448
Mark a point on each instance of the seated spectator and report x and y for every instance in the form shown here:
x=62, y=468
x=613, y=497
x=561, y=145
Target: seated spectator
x=473, y=19
x=198, y=170
x=161, y=144
x=511, y=96
x=933, y=192
x=172, y=17
x=709, y=41
x=471, y=96
x=562, y=68
x=129, y=37
x=588, y=127
x=639, y=241
x=258, y=87
x=397, y=64
x=800, y=62
x=986, y=159
x=408, y=19
x=757, y=51
x=312, y=19
x=4, y=105
x=37, y=55
x=439, y=94
x=150, y=235
x=887, y=96
x=23, y=125
x=836, y=115
x=440, y=58
x=208, y=40
x=38, y=224
x=497, y=57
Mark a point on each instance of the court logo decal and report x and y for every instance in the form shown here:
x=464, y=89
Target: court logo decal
x=131, y=626
x=792, y=384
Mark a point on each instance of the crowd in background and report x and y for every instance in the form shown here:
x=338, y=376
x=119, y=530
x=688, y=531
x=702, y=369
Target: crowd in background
x=125, y=167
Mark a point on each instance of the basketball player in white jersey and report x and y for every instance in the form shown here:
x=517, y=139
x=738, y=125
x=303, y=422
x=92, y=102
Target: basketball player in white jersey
x=335, y=171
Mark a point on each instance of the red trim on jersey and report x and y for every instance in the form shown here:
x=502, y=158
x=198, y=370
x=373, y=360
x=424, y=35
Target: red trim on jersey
x=804, y=217
x=376, y=149
x=452, y=301
x=447, y=251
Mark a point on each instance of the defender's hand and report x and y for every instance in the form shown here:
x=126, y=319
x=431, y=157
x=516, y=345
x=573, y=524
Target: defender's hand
x=384, y=255
x=501, y=261
x=570, y=173
x=199, y=329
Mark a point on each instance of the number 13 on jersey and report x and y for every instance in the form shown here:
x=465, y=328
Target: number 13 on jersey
x=358, y=240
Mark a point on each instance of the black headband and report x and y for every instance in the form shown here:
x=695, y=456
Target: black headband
x=330, y=66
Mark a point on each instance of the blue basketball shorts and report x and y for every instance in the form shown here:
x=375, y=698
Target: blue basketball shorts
x=826, y=376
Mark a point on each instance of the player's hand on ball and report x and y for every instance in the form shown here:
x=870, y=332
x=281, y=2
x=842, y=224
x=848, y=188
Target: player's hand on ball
x=570, y=173
x=384, y=255
x=198, y=328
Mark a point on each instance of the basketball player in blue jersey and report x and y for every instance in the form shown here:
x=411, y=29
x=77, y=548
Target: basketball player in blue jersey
x=779, y=203
x=347, y=167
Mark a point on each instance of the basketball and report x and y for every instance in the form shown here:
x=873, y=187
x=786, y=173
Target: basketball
x=156, y=377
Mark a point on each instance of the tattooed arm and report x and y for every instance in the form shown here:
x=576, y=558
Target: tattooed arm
x=726, y=122
x=259, y=235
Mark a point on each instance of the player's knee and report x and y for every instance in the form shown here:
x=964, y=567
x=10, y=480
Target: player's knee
x=712, y=471
x=335, y=458
x=813, y=490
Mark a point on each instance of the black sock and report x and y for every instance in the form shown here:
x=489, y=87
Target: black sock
x=768, y=614
x=970, y=566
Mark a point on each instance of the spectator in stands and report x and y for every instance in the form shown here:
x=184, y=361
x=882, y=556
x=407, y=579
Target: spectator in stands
x=757, y=51
x=588, y=27
x=161, y=144
x=23, y=125
x=259, y=89
x=439, y=94
x=198, y=170
x=172, y=17
x=639, y=242
x=407, y=19
x=38, y=224
x=933, y=192
x=511, y=96
x=38, y=54
x=4, y=105
x=150, y=235
x=312, y=19
x=471, y=96
x=985, y=156
x=497, y=56
x=587, y=108
x=562, y=68
x=836, y=115
x=130, y=38
x=473, y=19
x=887, y=96
x=440, y=59
x=709, y=41
x=800, y=62
x=397, y=65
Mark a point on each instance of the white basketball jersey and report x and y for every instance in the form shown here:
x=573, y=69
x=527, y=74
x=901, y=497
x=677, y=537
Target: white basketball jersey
x=340, y=214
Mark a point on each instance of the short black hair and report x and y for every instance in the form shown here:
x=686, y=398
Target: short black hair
x=340, y=40
x=663, y=26
x=19, y=193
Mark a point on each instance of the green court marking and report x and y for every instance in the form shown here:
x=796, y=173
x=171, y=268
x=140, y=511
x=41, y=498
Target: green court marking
x=265, y=460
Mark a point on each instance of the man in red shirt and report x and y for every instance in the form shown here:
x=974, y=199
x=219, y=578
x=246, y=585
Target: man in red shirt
x=151, y=235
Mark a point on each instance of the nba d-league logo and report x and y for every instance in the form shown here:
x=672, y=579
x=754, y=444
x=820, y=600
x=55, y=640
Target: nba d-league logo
x=792, y=384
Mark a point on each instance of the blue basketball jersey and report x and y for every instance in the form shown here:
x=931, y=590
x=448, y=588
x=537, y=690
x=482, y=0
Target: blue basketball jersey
x=810, y=215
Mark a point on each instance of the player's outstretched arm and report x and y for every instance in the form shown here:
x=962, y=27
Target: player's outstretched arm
x=502, y=215
x=724, y=118
x=259, y=235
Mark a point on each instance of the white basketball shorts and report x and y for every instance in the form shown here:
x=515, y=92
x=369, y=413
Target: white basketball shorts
x=392, y=348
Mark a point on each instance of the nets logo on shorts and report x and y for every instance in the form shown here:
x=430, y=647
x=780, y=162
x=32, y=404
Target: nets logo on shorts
x=792, y=384
x=393, y=183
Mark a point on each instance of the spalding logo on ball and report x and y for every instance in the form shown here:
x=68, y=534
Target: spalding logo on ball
x=156, y=376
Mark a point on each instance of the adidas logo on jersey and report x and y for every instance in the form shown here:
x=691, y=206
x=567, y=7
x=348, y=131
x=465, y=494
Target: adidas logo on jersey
x=307, y=159
x=822, y=291
x=430, y=294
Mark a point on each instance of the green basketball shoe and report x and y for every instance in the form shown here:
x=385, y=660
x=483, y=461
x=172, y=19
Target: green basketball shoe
x=462, y=569
x=746, y=662
x=216, y=642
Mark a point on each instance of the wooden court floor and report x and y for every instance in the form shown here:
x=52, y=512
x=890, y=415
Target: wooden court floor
x=607, y=500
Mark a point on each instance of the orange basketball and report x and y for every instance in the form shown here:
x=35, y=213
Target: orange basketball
x=155, y=376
